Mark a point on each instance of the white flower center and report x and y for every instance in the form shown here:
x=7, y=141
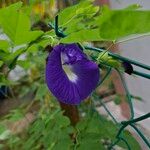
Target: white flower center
x=68, y=69
x=71, y=75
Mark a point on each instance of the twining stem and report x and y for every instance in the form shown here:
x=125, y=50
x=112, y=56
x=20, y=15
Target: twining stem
x=116, y=56
x=71, y=112
x=132, y=38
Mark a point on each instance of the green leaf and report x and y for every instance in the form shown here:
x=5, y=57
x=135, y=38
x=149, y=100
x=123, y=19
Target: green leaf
x=103, y=57
x=117, y=100
x=16, y=25
x=114, y=63
x=115, y=24
x=47, y=39
x=43, y=131
x=68, y=14
x=102, y=129
x=2, y=128
x=4, y=80
x=75, y=26
x=1, y=63
x=64, y=143
x=24, y=64
x=63, y=121
x=77, y=18
x=15, y=115
x=81, y=36
x=41, y=92
x=5, y=135
x=11, y=59
x=89, y=145
x=4, y=45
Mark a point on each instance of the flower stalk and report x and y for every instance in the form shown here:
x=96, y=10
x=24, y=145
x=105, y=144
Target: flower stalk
x=71, y=111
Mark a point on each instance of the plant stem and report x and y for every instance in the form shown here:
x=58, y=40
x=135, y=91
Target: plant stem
x=116, y=56
x=71, y=112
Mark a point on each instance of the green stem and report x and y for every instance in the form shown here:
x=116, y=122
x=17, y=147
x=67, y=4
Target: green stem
x=71, y=112
x=120, y=57
x=107, y=74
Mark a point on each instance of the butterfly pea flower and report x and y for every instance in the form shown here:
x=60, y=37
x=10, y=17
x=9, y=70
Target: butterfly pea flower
x=70, y=75
x=128, y=68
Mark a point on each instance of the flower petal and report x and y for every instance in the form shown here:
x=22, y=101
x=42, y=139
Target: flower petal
x=73, y=86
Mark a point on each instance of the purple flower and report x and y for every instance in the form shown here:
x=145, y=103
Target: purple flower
x=127, y=67
x=70, y=75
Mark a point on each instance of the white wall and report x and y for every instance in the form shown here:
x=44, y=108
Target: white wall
x=139, y=50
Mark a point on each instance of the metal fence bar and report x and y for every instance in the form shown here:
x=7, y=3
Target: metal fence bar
x=141, y=135
x=120, y=57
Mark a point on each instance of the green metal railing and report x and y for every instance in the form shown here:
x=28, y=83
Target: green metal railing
x=131, y=122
